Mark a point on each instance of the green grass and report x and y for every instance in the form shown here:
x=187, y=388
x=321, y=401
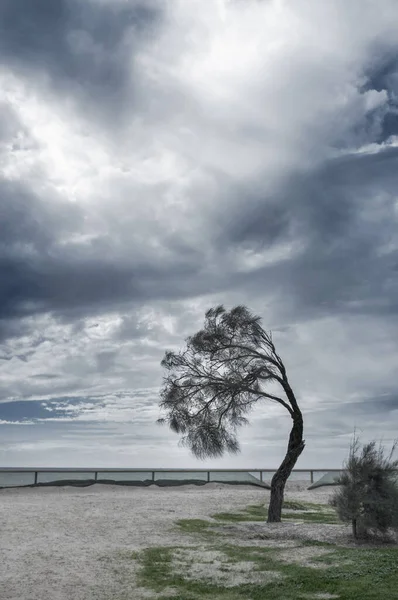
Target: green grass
x=314, y=513
x=371, y=575
x=201, y=529
x=193, y=525
x=305, y=506
x=349, y=573
x=312, y=517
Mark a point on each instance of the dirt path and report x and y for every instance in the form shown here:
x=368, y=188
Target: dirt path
x=62, y=543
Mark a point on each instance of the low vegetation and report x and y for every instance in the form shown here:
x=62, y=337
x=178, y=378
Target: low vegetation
x=222, y=571
x=303, y=511
x=224, y=559
x=368, y=496
x=214, y=566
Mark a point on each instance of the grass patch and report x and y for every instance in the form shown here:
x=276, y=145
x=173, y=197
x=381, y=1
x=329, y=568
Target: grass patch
x=312, y=517
x=157, y=574
x=294, y=505
x=193, y=525
x=250, y=513
x=317, y=543
x=156, y=564
x=215, y=570
x=371, y=575
x=202, y=530
x=312, y=513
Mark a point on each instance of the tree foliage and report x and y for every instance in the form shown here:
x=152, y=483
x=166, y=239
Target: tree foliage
x=214, y=383
x=368, y=497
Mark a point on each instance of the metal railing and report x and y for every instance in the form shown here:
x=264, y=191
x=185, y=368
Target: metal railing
x=41, y=475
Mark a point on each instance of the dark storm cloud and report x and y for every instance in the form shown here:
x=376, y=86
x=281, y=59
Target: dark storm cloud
x=82, y=286
x=77, y=44
x=349, y=217
x=260, y=218
x=333, y=211
x=344, y=214
x=12, y=328
x=28, y=222
x=375, y=413
x=384, y=76
x=39, y=274
x=29, y=229
x=342, y=201
x=381, y=402
x=325, y=209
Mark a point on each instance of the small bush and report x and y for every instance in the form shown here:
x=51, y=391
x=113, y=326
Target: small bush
x=368, y=497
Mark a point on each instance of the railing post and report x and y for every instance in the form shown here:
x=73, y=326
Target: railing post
x=95, y=475
x=153, y=475
x=35, y=477
x=208, y=476
x=312, y=476
x=261, y=476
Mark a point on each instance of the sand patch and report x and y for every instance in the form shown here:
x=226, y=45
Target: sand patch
x=143, y=593
x=212, y=566
x=289, y=531
x=303, y=556
x=320, y=596
x=239, y=536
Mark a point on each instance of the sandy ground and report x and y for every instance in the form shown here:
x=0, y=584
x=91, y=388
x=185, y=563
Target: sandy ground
x=64, y=543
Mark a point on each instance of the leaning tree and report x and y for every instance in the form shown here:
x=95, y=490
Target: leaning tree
x=217, y=379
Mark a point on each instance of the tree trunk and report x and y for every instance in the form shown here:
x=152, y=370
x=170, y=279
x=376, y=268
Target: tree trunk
x=354, y=528
x=294, y=449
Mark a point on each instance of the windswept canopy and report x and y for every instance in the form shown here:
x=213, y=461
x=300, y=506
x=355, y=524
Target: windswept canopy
x=213, y=384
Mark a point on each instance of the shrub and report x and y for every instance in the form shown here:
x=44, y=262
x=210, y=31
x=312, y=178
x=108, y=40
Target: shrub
x=368, y=497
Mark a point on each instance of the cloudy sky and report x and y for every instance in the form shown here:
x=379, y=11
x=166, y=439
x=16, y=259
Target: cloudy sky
x=158, y=157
